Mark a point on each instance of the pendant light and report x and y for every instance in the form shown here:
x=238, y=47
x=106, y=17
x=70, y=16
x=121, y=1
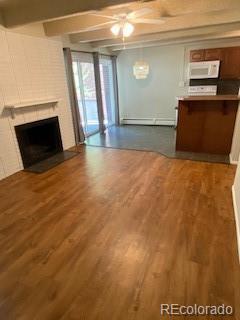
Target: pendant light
x=141, y=68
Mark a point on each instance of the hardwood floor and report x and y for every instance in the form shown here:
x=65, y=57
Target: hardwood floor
x=112, y=234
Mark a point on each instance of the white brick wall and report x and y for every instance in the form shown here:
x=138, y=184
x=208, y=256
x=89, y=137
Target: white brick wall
x=30, y=68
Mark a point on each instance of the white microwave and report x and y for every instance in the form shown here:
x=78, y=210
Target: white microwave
x=204, y=69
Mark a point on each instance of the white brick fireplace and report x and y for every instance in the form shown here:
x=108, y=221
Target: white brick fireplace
x=31, y=69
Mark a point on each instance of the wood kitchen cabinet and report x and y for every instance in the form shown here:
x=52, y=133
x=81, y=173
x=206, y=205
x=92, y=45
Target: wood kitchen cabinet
x=230, y=63
x=205, y=55
x=213, y=54
x=197, y=55
x=229, y=60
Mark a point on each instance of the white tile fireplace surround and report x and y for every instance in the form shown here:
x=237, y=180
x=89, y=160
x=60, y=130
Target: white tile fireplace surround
x=31, y=69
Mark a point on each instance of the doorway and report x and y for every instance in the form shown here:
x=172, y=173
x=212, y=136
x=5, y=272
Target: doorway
x=84, y=77
x=95, y=91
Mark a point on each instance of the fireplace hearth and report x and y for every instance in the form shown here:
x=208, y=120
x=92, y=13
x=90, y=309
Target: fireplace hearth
x=39, y=140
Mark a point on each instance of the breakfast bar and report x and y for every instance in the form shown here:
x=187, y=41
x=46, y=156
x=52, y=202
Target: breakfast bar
x=206, y=123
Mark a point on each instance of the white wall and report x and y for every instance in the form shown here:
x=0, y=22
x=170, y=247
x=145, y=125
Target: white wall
x=153, y=97
x=236, y=201
x=30, y=68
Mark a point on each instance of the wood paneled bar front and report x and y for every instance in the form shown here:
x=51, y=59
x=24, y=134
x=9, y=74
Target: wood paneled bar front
x=206, y=123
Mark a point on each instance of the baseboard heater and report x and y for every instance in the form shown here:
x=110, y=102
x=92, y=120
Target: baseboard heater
x=149, y=121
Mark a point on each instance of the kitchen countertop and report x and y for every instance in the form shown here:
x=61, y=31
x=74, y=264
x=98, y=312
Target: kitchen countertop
x=209, y=98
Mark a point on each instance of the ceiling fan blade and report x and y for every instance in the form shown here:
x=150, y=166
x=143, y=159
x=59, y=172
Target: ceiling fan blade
x=148, y=21
x=97, y=26
x=104, y=16
x=139, y=13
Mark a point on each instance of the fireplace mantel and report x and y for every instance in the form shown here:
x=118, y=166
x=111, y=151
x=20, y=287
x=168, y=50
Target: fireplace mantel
x=29, y=104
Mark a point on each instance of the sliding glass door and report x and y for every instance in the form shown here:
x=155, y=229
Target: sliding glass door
x=94, y=77
x=108, y=90
x=83, y=69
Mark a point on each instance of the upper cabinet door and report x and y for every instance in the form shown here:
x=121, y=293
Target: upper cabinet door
x=197, y=55
x=213, y=54
x=230, y=64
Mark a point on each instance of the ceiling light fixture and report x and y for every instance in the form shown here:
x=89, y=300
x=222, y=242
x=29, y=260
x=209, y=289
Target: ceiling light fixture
x=126, y=29
x=116, y=29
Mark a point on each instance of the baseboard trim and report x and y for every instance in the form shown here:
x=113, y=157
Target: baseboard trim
x=148, y=121
x=236, y=220
x=231, y=160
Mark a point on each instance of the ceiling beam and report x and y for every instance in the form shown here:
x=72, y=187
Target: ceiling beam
x=164, y=36
x=104, y=34
x=227, y=36
x=29, y=11
x=89, y=36
x=72, y=24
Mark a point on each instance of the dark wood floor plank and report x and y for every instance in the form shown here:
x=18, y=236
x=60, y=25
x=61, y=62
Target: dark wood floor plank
x=112, y=234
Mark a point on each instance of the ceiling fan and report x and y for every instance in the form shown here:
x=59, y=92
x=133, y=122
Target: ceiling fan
x=123, y=23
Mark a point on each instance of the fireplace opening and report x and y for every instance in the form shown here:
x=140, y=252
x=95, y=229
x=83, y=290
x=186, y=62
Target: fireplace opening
x=39, y=140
